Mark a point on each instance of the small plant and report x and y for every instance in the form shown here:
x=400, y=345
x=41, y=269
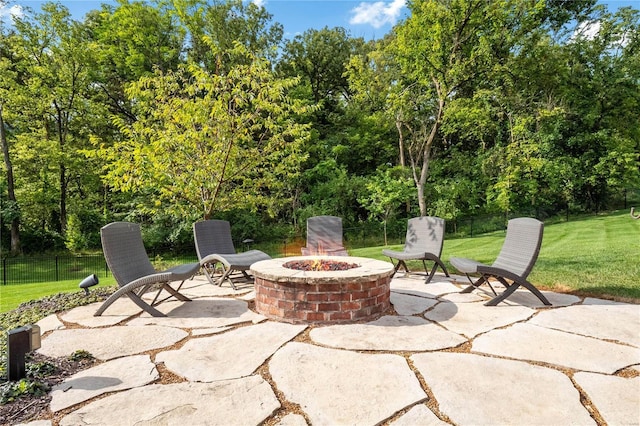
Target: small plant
x=39, y=370
x=79, y=355
x=10, y=391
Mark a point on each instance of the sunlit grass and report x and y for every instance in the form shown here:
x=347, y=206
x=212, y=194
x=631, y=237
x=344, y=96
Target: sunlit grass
x=595, y=256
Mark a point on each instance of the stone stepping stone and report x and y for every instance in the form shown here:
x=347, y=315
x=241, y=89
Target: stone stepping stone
x=336, y=387
x=389, y=333
x=419, y=415
x=121, y=310
x=50, y=323
x=405, y=304
x=200, y=313
x=416, y=286
x=534, y=343
x=112, y=342
x=474, y=390
x=234, y=354
x=116, y=375
x=616, y=398
x=292, y=420
x=596, y=318
x=247, y=401
x=471, y=319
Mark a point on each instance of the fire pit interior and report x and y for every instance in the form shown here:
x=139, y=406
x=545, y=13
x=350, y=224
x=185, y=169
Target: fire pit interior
x=319, y=265
x=322, y=290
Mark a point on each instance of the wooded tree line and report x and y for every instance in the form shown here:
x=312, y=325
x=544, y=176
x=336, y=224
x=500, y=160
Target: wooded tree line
x=171, y=111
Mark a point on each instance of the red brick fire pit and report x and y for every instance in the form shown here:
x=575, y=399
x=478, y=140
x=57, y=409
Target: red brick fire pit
x=322, y=297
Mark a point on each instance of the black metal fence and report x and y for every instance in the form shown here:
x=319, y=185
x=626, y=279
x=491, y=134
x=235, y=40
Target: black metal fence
x=27, y=269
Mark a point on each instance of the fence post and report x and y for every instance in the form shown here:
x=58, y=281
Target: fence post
x=57, y=275
x=4, y=271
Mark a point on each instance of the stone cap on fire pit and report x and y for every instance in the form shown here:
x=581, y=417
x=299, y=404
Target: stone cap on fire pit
x=367, y=270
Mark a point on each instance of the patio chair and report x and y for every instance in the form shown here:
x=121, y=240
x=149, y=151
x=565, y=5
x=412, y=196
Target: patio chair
x=215, y=249
x=514, y=263
x=324, y=237
x=424, y=240
x=129, y=263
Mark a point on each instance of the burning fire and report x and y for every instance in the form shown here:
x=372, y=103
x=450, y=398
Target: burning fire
x=319, y=265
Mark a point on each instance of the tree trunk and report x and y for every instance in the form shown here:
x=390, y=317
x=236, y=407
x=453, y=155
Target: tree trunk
x=11, y=195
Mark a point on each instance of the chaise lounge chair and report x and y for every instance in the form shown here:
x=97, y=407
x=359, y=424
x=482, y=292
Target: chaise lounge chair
x=215, y=248
x=129, y=263
x=324, y=237
x=514, y=263
x=424, y=240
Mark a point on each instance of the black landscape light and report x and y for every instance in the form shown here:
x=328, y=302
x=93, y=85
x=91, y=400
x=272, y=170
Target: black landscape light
x=90, y=281
x=20, y=341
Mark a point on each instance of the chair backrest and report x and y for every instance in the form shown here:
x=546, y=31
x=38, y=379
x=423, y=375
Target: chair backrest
x=124, y=252
x=324, y=233
x=213, y=237
x=521, y=246
x=425, y=233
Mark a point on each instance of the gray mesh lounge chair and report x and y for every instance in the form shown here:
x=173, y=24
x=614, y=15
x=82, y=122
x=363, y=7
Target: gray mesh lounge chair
x=425, y=237
x=129, y=263
x=514, y=263
x=215, y=249
x=324, y=237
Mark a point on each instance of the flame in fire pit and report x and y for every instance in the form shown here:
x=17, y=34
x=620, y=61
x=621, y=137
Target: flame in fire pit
x=319, y=265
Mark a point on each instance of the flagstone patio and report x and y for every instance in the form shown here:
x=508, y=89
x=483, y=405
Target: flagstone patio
x=441, y=358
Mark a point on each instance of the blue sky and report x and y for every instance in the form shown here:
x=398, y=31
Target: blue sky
x=370, y=19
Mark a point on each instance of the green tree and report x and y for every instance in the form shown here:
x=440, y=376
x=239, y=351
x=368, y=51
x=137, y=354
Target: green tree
x=207, y=142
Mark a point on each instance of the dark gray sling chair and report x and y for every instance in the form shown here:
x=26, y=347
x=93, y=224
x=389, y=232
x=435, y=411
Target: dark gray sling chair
x=129, y=263
x=214, y=246
x=424, y=240
x=514, y=263
x=324, y=237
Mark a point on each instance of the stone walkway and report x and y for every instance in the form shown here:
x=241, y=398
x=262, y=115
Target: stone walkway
x=445, y=358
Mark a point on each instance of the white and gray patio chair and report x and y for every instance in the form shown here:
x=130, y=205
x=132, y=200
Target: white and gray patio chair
x=324, y=237
x=215, y=248
x=129, y=263
x=424, y=241
x=514, y=263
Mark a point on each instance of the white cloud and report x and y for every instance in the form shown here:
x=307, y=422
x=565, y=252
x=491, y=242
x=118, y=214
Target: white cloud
x=259, y=3
x=377, y=14
x=10, y=12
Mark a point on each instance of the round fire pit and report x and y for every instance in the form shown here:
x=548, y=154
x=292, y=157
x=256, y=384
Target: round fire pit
x=335, y=294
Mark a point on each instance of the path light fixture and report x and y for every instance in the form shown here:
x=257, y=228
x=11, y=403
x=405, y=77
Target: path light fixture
x=20, y=341
x=90, y=281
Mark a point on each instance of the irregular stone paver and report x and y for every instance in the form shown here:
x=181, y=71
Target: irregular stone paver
x=116, y=375
x=200, y=313
x=472, y=319
x=616, y=398
x=475, y=390
x=50, y=323
x=525, y=298
x=417, y=287
x=390, y=333
x=463, y=298
x=336, y=387
x=409, y=305
x=206, y=289
x=292, y=420
x=531, y=342
x=112, y=342
x=247, y=401
x=120, y=310
x=608, y=320
x=419, y=415
x=237, y=353
x=36, y=423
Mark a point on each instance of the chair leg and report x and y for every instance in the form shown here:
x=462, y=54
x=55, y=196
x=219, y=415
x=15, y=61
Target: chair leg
x=225, y=276
x=436, y=263
x=512, y=288
x=473, y=285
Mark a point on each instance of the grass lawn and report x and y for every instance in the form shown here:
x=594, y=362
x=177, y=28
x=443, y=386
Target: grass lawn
x=592, y=256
